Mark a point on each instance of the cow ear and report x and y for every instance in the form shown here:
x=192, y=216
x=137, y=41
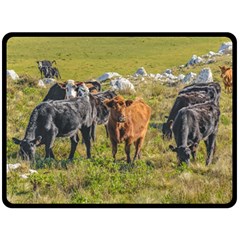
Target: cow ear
x=16, y=141
x=108, y=103
x=174, y=149
x=171, y=124
x=128, y=102
x=37, y=140
x=62, y=85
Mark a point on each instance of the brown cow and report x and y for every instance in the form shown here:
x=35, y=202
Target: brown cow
x=226, y=74
x=128, y=122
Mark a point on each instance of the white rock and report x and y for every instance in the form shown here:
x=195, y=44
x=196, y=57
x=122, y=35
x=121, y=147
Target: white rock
x=141, y=71
x=204, y=76
x=13, y=166
x=24, y=176
x=41, y=83
x=181, y=77
x=108, y=75
x=49, y=80
x=225, y=48
x=189, y=77
x=32, y=171
x=122, y=84
x=158, y=76
x=12, y=74
x=194, y=60
x=168, y=71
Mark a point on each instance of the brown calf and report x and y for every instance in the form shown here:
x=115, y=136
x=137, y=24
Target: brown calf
x=226, y=74
x=128, y=122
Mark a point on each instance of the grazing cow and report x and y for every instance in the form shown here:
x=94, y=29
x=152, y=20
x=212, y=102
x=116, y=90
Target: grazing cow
x=193, y=124
x=181, y=101
x=128, y=122
x=226, y=74
x=61, y=118
x=213, y=89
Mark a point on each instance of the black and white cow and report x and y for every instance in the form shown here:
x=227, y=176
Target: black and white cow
x=61, y=118
x=193, y=124
x=44, y=66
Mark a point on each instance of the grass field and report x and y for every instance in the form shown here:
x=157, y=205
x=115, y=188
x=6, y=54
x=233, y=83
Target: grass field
x=155, y=178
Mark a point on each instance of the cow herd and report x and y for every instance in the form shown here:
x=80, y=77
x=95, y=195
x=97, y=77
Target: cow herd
x=80, y=106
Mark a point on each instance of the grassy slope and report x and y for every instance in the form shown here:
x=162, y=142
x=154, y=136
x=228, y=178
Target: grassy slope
x=99, y=180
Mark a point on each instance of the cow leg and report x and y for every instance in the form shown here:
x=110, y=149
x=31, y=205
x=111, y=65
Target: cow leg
x=86, y=134
x=93, y=132
x=49, y=143
x=127, y=151
x=74, y=142
x=114, y=149
x=106, y=130
x=138, y=146
x=210, y=144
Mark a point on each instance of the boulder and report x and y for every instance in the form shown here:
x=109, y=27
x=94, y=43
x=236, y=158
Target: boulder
x=13, y=166
x=41, y=84
x=204, y=76
x=122, y=85
x=190, y=77
x=194, y=60
x=12, y=74
x=140, y=72
x=108, y=75
x=225, y=48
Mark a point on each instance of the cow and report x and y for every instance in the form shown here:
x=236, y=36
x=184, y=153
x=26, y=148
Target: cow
x=128, y=122
x=226, y=74
x=50, y=72
x=69, y=90
x=193, y=124
x=43, y=65
x=60, y=118
x=183, y=100
x=59, y=91
x=212, y=88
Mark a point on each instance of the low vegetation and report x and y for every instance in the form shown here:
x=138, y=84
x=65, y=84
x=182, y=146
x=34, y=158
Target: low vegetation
x=155, y=178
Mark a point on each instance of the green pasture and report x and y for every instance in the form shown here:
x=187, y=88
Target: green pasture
x=155, y=178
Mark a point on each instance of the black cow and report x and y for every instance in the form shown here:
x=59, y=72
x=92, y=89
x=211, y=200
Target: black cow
x=181, y=101
x=60, y=118
x=193, y=124
x=212, y=88
x=57, y=92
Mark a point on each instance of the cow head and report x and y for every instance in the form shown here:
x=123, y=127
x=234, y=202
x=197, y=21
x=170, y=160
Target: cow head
x=183, y=153
x=82, y=90
x=167, y=129
x=71, y=89
x=27, y=147
x=223, y=70
x=117, y=106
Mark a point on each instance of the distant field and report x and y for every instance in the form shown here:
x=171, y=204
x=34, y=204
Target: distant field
x=155, y=178
x=85, y=58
